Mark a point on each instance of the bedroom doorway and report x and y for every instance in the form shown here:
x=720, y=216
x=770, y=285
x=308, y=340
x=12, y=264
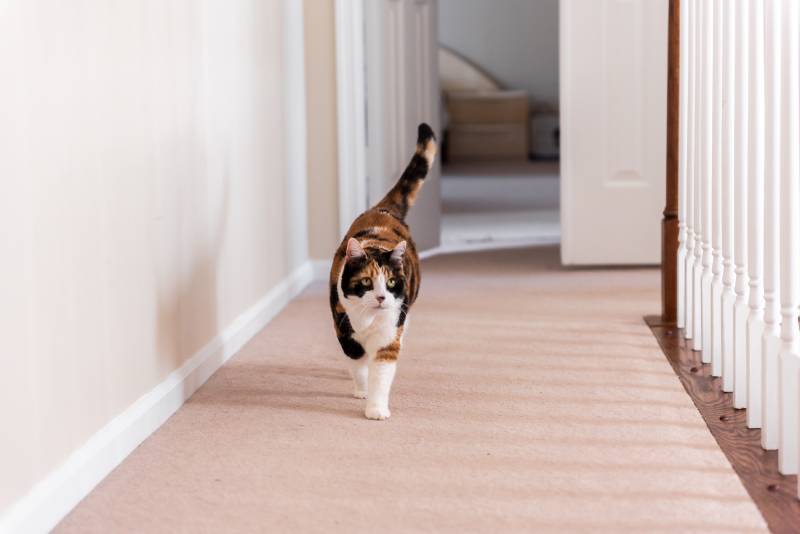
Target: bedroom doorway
x=603, y=123
x=498, y=76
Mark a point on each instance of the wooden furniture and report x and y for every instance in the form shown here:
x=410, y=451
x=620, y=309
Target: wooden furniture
x=487, y=125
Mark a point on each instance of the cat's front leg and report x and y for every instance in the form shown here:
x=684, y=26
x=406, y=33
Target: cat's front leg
x=359, y=370
x=381, y=375
x=382, y=368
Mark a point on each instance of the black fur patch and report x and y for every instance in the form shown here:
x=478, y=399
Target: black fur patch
x=424, y=134
x=344, y=330
x=401, y=320
x=364, y=233
x=333, y=297
x=351, y=269
x=351, y=347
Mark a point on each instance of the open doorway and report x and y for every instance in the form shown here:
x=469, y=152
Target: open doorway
x=498, y=76
x=605, y=117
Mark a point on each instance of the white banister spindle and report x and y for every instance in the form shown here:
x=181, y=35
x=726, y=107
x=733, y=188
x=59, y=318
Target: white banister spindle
x=682, y=163
x=771, y=340
x=716, y=195
x=740, y=205
x=728, y=114
x=689, y=77
x=755, y=211
x=698, y=173
x=706, y=107
x=790, y=234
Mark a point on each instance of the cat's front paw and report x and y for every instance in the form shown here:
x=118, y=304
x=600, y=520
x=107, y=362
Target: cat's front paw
x=359, y=394
x=378, y=413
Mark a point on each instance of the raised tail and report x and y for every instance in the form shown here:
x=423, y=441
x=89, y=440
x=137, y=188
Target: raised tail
x=402, y=195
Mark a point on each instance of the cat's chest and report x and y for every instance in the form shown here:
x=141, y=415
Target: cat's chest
x=374, y=331
x=380, y=332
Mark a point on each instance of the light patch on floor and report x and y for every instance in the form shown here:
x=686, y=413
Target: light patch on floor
x=500, y=202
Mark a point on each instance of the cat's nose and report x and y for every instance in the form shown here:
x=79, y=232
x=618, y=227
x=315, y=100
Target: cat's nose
x=380, y=299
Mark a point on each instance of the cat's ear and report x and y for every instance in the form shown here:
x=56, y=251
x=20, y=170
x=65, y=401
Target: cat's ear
x=399, y=250
x=354, y=250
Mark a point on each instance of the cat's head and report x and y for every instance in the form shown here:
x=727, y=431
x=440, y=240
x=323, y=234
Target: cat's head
x=374, y=278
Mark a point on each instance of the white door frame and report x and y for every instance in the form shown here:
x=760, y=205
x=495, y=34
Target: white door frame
x=364, y=144
x=294, y=87
x=351, y=113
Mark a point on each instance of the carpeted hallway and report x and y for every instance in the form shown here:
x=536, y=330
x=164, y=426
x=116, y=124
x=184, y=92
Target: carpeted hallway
x=528, y=398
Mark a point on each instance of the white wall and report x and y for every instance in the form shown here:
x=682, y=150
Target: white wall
x=516, y=41
x=142, y=203
x=402, y=91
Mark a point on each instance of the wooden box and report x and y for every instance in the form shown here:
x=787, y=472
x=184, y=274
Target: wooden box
x=488, y=141
x=485, y=125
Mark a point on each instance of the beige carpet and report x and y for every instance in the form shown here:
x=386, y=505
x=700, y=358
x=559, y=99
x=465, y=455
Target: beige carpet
x=528, y=399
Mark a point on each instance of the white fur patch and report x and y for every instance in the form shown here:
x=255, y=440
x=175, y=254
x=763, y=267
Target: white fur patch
x=429, y=152
x=381, y=376
x=374, y=327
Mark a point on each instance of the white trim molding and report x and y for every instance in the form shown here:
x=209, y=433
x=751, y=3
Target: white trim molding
x=460, y=248
x=294, y=120
x=350, y=99
x=565, y=164
x=58, y=493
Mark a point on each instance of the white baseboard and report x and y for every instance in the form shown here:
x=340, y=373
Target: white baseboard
x=53, y=497
x=482, y=246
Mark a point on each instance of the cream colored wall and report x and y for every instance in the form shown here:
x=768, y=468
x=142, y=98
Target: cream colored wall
x=323, y=198
x=142, y=199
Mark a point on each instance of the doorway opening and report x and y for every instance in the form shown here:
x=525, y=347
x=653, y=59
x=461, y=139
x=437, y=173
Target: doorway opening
x=606, y=118
x=499, y=83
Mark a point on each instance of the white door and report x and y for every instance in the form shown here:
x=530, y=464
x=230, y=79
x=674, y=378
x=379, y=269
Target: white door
x=402, y=90
x=613, y=130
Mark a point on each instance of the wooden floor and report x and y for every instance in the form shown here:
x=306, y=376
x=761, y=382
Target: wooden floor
x=774, y=494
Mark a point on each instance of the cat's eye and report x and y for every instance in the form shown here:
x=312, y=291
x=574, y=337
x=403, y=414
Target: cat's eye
x=391, y=282
x=366, y=282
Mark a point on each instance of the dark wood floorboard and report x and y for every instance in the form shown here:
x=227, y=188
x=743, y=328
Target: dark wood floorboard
x=774, y=494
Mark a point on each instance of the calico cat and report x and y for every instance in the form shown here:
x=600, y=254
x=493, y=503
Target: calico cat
x=375, y=280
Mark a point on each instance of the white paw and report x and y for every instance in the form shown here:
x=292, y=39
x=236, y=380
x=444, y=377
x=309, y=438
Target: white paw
x=360, y=394
x=378, y=413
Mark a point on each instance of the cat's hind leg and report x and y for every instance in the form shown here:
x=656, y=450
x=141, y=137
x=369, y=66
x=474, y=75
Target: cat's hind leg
x=359, y=370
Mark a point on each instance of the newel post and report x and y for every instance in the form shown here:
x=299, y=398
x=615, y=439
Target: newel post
x=669, y=224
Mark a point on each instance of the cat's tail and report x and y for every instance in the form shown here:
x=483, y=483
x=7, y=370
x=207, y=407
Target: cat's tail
x=404, y=193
